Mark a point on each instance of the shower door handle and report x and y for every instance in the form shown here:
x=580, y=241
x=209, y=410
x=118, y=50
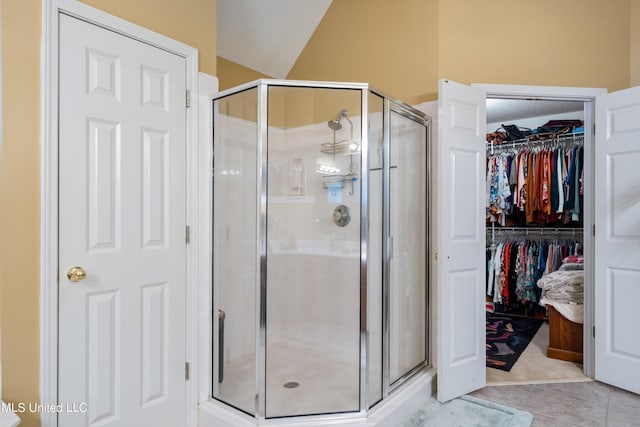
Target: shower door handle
x=221, y=316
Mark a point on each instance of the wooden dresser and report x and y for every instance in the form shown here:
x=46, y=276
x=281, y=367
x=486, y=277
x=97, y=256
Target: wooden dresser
x=565, y=338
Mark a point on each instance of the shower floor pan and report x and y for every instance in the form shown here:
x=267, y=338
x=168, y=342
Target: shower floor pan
x=324, y=384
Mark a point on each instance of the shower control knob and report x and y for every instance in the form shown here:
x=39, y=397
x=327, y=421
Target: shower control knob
x=341, y=215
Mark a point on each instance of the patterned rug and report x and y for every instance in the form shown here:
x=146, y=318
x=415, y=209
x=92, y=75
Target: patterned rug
x=507, y=338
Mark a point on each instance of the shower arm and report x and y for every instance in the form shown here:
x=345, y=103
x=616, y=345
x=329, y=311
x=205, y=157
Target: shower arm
x=350, y=126
x=344, y=114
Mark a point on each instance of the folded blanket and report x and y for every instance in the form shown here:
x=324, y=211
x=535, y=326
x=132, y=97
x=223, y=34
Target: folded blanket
x=563, y=286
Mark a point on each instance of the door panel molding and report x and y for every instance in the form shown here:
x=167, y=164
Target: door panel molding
x=51, y=9
x=618, y=239
x=460, y=236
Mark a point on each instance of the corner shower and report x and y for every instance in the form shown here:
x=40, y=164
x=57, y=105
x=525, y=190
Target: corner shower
x=320, y=277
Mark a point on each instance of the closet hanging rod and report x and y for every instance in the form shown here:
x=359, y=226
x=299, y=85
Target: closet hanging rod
x=565, y=141
x=528, y=231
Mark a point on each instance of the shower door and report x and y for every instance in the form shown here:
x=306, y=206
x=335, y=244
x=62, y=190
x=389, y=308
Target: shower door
x=407, y=222
x=398, y=234
x=313, y=251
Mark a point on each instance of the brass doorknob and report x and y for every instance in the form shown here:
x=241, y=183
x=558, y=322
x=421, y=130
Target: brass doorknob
x=76, y=274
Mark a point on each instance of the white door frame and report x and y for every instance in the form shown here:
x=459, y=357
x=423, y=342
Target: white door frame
x=207, y=89
x=49, y=192
x=588, y=95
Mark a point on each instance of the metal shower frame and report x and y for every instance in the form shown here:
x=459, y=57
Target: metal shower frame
x=390, y=104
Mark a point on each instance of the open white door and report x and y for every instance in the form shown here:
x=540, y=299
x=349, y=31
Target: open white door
x=617, y=240
x=460, y=241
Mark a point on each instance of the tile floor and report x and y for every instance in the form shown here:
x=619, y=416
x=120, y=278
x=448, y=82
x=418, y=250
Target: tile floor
x=585, y=404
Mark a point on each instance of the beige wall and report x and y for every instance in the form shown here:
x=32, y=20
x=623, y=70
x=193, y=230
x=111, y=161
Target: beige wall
x=191, y=22
x=389, y=44
x=634, y=47
x=19, y=202
x=235, y=74
x=568, y=43
x=358, y=41
x=403, y=47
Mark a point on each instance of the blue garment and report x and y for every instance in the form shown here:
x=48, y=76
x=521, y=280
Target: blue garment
x=570, y=182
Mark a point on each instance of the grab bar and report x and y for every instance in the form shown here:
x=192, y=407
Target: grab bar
x=221, y=316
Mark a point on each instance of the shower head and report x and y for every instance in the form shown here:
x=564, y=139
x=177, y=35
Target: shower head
x=335, y=123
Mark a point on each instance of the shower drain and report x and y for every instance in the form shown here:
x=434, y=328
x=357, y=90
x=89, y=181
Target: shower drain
x=291, y=384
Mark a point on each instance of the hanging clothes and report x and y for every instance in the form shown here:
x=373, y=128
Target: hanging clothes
x=516, y=265
x=498, y=189
x=531, y=185
x=536, y=186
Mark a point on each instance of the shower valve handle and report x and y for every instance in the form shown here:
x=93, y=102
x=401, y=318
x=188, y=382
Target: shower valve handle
x=341, y=215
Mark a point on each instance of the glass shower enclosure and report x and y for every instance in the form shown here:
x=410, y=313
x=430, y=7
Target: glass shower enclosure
x=320, y=231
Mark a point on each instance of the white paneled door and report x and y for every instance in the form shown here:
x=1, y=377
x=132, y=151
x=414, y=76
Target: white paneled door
x=460, y=241
x=122, y=177
x=617, y=239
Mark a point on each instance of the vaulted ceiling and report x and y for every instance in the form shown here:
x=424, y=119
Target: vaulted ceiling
x=267, y=35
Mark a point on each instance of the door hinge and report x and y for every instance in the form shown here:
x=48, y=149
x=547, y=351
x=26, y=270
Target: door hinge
x=186, y=371
x=187, y=234
x=594, y=331
x=188, y=99
x=594, y=128
x=594, y=230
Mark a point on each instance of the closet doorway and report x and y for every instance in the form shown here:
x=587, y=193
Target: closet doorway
x=610, y=352
x=535, y=216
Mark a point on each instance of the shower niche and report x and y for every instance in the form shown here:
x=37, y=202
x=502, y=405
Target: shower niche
x=320, y=232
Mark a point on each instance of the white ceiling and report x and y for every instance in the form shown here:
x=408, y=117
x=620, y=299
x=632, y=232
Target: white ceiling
x=506, y=110
x=267, y=35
